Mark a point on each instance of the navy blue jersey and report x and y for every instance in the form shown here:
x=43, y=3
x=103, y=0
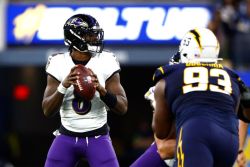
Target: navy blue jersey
x=200, y=90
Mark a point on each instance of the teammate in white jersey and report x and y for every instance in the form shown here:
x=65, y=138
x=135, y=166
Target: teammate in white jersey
x=84, y=132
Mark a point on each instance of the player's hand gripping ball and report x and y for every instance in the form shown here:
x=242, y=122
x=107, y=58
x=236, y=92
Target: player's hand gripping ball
x=84, y=86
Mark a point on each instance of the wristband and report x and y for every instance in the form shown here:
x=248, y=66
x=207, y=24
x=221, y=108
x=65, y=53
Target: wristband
x=240, y=151
x=109, y=99
x=61, y=89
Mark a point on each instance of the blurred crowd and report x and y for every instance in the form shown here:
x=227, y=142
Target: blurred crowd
x=231, y=24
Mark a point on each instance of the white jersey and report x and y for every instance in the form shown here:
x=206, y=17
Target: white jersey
x=104, y=65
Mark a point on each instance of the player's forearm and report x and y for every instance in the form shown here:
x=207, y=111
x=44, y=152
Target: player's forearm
x=243, y=127
x=160, y=128
x=121, y=106
x=116, y=102
x=51, y=104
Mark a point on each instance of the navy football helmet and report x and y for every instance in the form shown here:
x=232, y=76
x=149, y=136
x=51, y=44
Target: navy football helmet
x=83, y=33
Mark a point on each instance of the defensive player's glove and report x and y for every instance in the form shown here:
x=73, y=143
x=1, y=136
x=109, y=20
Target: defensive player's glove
x=149, y=95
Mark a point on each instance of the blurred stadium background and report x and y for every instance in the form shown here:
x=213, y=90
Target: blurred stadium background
x=143, y=34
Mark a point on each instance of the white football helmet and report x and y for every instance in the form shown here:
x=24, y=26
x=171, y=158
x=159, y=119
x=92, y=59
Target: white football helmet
x=199, y=45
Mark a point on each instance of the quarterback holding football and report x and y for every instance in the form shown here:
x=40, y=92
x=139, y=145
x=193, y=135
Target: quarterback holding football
x=84, y=131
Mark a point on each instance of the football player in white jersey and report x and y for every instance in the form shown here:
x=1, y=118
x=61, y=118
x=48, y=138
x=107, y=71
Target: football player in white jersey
x=84, y=132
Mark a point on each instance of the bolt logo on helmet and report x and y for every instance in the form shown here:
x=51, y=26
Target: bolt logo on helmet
x=199, y=45
x=83, y=33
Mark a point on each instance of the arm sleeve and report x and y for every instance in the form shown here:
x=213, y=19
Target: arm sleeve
x=53, y=64
x=111, y=66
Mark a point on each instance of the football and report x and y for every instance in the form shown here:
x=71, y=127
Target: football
x=84, y=86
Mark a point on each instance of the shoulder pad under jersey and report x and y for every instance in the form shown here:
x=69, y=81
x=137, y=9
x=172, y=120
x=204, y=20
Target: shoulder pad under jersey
x=159, y=73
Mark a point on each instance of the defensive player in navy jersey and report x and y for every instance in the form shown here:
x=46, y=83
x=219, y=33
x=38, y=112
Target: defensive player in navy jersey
x=84, y=132
x=202, y=97
x=161, y=151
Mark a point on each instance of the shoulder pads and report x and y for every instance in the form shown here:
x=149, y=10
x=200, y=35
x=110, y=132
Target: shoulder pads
x=159, y=73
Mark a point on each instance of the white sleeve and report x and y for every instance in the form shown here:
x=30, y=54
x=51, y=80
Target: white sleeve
x=112, y=65
x=53, y=64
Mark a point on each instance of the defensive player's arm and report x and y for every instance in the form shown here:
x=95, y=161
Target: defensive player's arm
x=244, y=109
x=52, y=99
x=119, y=103
x=245, y=115
x=166, y=147
x=243, y=128
x=241, y=158
x=162, y=118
